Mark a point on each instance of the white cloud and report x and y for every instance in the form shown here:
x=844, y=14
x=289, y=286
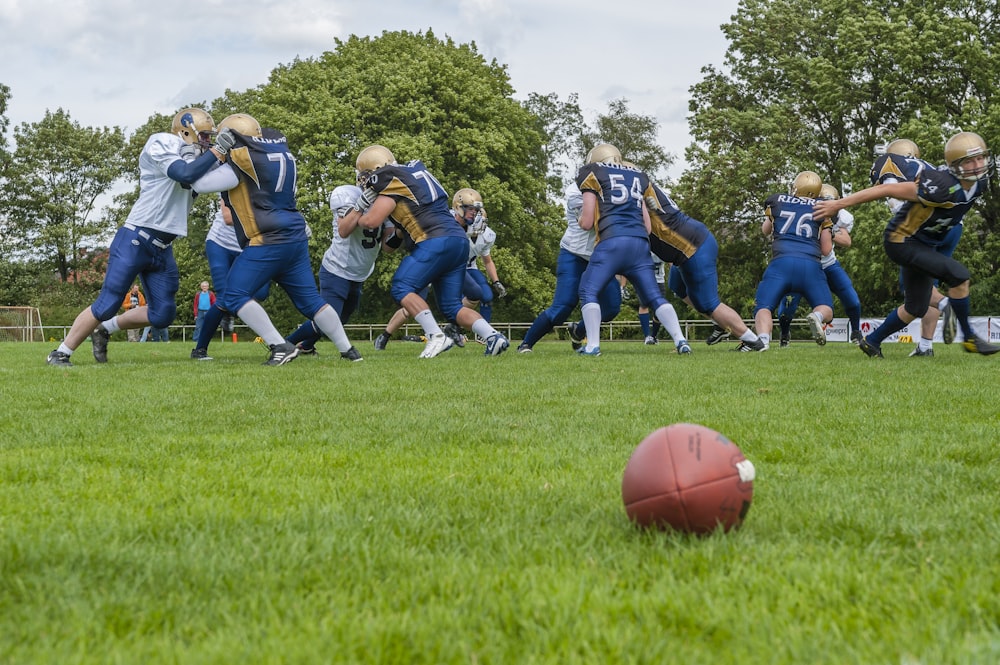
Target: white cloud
x=115, y=62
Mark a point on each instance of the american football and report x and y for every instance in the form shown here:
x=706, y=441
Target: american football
x=689, y=478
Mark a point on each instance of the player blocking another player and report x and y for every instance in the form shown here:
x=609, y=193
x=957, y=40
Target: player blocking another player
x=412, y=198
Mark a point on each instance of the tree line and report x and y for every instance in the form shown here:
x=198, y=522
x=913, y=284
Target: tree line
x=805, y=86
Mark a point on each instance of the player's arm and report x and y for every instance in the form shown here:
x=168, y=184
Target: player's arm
x=221, y=179
x=906, y=191
x=841, y=234
x=767, y=226
x=588, y=211
x=825, y=240
x=187, y=173
x=490, y=268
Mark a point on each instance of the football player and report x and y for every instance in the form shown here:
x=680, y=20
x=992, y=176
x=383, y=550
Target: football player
x=693, y=253
x=412, y=198
x=836, y=277
x=171, y=171
x=934, y=202
x=348, y=262
x=575, y=249
x=272, y=233
x=903, y=166
x=467, y=206
x=614, y=202
x=221, y=250
x=799, y=240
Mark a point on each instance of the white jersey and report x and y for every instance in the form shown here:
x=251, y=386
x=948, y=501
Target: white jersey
x=481, y=245
x=352, y=258
x=844, y=222
x=658, y=269
x=575, y=240
x=162, y=204
x=223, y=234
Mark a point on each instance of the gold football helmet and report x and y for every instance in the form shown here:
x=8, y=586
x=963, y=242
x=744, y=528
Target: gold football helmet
x=466, y=198
x=371, y=158
x=903, y=147
x=241, y=123
x=806, y=185
x=604, y=153
x=964, y=146
x=828, y=192
x=194, y=126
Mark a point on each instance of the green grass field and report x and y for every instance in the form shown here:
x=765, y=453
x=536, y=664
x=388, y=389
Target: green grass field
x=468, y=509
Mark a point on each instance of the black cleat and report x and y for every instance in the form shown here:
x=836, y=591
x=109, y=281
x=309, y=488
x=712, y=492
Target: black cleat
x=381, y=341
x=59, y=359
x=917, y=353
x=282, y=353
x=980, y=346
x=453, y=331
x=303, y=351
x=718, y=334
x=948, y=324
x=100, y=338
x=523, y=348
x=200, y=354
x=871, y=350
x=754, y=345
x=577, y=335
x=351, y=354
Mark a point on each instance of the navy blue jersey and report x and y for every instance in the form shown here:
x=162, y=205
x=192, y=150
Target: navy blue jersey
x=263, y=203
x=620, y=191
x=942, y=205
x=896, y=168
x=795, y=231
x=675, y=237
x=422, y=205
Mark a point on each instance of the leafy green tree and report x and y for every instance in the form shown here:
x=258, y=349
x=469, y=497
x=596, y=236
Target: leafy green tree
x=818, y=85
x=423, y=98
x=56, y=174
x=633, y=134
x=562, y=125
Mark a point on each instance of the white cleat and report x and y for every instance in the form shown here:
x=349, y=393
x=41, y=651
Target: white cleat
x=816, y=327
x=436, y=345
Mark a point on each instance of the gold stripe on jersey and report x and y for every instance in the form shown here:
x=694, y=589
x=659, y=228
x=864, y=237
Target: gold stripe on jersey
x=239, y=200
x=592, y=183
x=240, y=157
x=915, y=218
x=402, y=214
x=890, y=168
x=671, y=237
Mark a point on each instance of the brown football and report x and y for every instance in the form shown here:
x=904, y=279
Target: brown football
x=689, y=478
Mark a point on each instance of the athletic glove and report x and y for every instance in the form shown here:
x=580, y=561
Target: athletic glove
x=224, y=141
x=365, y=201
x=500, y=289
x=652, y=203
x=190, y=152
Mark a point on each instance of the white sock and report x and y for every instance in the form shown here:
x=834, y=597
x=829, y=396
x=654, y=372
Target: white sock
x=925, y=344
x=592, y=322
x=254, y=316
x=668, y=317
x=111, y=325
x=748, y=336
x=427, y=322
x=942, y=303
x=766, y=339
x=65, y=349
x=482, y=328
x=327, y=320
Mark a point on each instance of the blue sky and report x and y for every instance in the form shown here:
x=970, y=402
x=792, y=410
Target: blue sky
x=115, y=62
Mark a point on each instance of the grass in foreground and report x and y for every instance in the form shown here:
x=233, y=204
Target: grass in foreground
x=467, y=509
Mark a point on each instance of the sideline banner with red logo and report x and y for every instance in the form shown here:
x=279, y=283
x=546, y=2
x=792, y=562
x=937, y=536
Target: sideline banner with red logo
x=986, y=327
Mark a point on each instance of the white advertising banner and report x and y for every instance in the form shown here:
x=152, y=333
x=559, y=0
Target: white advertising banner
x=986, y=327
